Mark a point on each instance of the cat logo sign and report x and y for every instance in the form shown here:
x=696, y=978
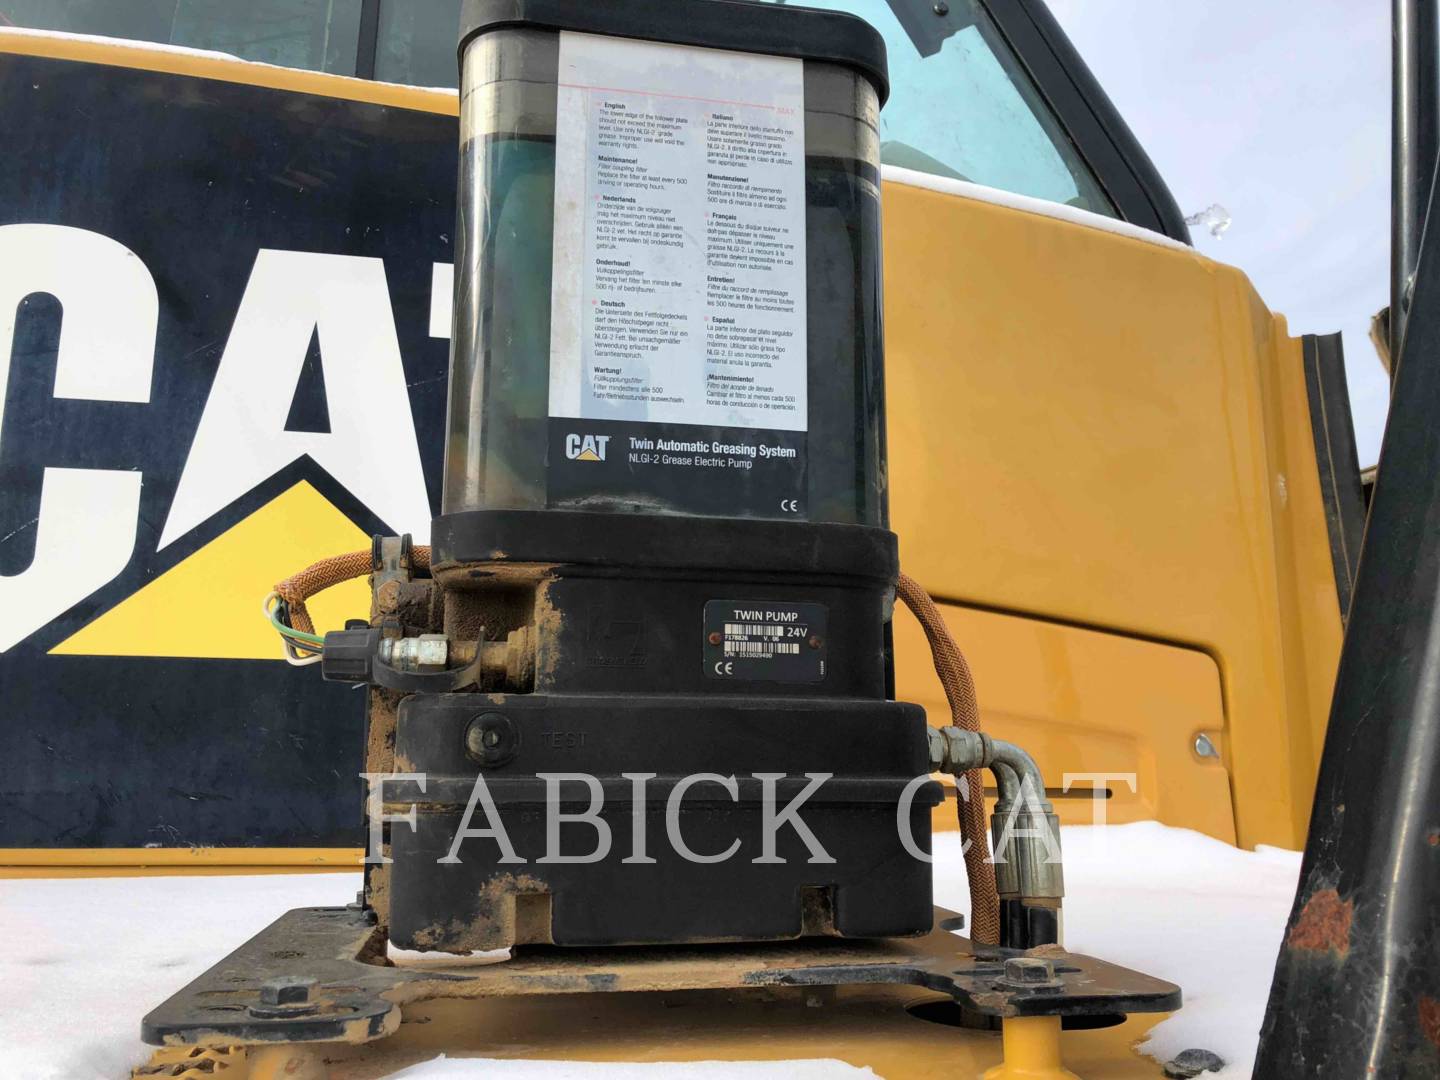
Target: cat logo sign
x=586, y=447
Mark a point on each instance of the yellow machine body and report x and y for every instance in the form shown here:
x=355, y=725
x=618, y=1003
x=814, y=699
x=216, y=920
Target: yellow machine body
x=1101, y=465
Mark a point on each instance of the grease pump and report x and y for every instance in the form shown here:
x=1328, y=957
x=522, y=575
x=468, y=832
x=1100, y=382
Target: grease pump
x=633, y=704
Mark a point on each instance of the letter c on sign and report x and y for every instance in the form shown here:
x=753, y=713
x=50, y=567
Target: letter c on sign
x=85, y=533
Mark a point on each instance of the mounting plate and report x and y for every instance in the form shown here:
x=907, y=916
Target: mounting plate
x=320, y=975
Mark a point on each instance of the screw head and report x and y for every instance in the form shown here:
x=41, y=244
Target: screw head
x=715, y=637
x=815, y=641
x=941, y=8
x=1204, y=747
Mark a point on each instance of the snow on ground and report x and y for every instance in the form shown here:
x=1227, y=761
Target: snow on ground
x=92, y=956
x=443, y=1068
x=1178, y=905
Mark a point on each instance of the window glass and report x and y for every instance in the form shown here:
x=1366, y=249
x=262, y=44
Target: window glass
x=321, y=35
x=962, y=106
x=416, y=42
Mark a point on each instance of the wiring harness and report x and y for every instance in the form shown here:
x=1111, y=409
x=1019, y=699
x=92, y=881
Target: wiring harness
x=301, y=648
x=285, y=607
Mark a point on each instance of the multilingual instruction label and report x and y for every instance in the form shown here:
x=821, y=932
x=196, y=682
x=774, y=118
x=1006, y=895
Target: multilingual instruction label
x=678, y=295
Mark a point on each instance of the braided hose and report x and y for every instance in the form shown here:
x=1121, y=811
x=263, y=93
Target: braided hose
x=322, y=575
x=959, y=686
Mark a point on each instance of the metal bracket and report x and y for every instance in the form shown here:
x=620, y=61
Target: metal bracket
x=320, y=974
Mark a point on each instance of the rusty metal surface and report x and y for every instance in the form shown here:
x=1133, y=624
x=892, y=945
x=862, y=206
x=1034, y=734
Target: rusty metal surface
x=306, y=979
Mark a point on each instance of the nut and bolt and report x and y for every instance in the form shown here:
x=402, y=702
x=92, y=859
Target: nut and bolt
x=1029, y=973
x=284, y=996
x=286, y=990
x=1029, y=969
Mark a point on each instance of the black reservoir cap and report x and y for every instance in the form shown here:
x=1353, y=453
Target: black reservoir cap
x=740, y=25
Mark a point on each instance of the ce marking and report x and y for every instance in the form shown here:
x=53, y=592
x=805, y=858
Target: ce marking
x=789, y=506
x=724, y=667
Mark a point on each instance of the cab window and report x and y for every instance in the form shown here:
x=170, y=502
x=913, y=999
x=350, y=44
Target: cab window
x=415, y=42
x=321, y=35
x=962, y=105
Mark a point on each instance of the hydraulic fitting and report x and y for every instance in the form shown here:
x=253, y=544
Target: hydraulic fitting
x=429, y=661
x=428, y=652
x=1025, y=828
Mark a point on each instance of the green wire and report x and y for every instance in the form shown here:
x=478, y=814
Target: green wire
x=291, y=632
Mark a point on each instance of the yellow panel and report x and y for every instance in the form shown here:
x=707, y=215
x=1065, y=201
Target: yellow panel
x=126, y=862
x=866, y=1026
x=1085, y=702
x=208, y=605
x=1104, y=432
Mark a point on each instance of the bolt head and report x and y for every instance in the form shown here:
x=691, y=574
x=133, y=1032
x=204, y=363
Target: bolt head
x=387, y=597
x=286, y=990
x=1021, y=970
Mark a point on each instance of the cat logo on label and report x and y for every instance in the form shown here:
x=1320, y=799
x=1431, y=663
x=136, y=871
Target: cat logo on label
x=586, y=447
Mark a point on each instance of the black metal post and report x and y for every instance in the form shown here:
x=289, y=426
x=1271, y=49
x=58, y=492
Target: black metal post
x=1415, y=140
x=1357, y=983
x=365, y=52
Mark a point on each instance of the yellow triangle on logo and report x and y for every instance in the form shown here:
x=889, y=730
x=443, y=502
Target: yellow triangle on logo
x=208, y=605
x=587, y=455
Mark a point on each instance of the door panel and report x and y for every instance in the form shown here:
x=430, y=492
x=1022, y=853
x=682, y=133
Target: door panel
x=1098, y=430
x=1086, y=702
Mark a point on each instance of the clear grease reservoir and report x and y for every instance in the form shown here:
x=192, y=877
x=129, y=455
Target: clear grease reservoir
x=668, y=262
